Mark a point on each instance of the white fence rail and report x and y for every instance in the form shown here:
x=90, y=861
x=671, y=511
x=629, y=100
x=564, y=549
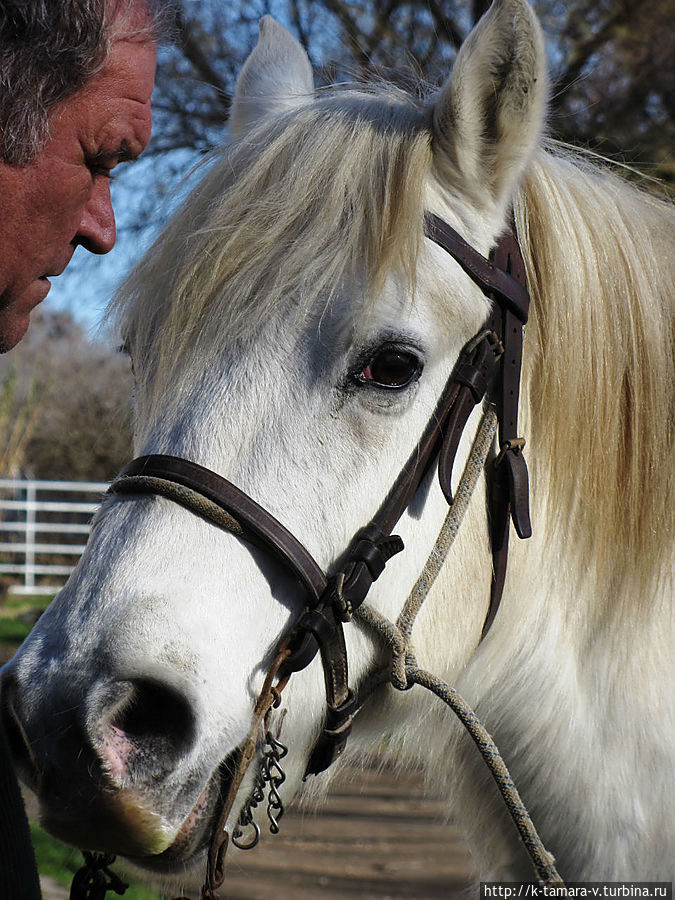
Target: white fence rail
x=43, y=530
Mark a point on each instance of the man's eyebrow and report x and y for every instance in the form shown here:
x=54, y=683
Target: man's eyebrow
x=123, y=153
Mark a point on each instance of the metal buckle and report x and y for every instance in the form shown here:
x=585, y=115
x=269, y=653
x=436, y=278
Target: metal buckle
x=495, y=343
x=492, y=338
x=514, y=444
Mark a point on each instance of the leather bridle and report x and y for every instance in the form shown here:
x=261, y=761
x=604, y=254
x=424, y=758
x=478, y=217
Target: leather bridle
x=489, y=365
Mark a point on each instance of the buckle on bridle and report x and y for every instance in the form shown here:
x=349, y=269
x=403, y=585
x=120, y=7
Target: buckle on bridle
x=489, y=335
x=515, y=444
x=343, y=605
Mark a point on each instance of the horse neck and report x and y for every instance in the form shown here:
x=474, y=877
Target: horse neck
x=578, y=651
x=597, y=397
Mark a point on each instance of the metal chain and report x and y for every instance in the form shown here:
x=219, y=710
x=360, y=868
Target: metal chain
x=95, y=878
x=269, y=779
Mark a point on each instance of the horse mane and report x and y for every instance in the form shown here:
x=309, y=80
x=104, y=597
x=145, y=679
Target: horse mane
x=600, y=367
x=287, y=214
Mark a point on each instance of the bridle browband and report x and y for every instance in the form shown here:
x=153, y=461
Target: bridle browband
x=488, y=366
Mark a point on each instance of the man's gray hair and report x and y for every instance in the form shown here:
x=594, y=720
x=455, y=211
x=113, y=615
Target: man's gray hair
x=48, y=51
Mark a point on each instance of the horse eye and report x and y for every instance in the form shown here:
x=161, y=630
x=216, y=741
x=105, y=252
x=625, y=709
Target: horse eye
x=392, y=368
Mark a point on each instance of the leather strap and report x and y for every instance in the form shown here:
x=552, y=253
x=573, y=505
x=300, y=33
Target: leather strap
x=503, y=285
x=332, y=601
x=260, y=525
x=507, y=481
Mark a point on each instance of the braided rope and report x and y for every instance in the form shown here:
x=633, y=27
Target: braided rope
x=446, y=537
x=405, y=672
x=185, y=496
x=542, y=860
x=398, y=636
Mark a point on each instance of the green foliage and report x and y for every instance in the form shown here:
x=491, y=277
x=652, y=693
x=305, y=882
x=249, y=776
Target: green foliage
x=13, y=631
x=60, y=862
x=18, y=614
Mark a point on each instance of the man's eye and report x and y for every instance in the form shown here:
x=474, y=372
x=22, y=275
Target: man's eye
x=102, y=172
x=391, y=368
x=100, y=167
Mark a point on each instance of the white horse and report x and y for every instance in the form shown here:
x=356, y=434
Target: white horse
x=292, y=330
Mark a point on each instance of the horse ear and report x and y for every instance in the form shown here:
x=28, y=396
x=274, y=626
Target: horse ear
x=490, y=113
x=276, y=76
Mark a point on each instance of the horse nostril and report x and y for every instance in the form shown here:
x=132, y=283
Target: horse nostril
x=150, y=727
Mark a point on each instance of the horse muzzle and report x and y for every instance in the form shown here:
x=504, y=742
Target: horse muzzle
x=104, y=771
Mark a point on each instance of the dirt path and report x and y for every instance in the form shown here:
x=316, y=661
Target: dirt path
x=375, y=838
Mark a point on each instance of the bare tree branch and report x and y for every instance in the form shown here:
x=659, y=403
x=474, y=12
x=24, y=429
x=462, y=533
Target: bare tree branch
x=192, y=49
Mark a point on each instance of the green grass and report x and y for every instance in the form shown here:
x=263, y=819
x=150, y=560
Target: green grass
x=61, y=862
x=19, y=601
x=14, y=603
x=13, y=631
x=17, y=614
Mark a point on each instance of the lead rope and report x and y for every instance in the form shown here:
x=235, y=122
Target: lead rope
x=405, y=672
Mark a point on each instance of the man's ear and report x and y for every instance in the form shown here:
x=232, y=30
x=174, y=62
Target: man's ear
x=276, y=76
x=489, y=115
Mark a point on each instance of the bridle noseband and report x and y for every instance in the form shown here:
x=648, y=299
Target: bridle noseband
x=489, y=365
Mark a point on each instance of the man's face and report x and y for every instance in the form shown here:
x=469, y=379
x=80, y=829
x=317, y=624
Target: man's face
x=62, y=198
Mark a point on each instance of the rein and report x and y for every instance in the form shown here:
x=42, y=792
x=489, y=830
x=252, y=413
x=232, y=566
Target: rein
x=489, y=365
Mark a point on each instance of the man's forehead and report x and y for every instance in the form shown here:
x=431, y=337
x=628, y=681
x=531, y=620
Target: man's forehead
x=127, y=76
x=112, y=113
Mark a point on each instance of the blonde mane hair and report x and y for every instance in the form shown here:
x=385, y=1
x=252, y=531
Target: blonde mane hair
x=288, y=214
x=285, y=216
x=600, y=365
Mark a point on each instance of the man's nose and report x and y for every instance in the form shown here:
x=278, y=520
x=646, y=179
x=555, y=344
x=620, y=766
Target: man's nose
x=97, y=232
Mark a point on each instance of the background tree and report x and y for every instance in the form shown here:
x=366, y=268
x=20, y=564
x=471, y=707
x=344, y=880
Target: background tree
x=20, y=404
x=611, y=63
x=64, y=405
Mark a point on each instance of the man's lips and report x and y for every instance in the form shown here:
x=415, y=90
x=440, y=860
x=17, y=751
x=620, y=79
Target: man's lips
x=49, y=275
x=44, y=280
x=59, y=269
x=37, y=292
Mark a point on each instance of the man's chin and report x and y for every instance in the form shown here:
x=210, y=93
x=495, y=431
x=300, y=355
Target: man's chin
x=15, y=317
x=12, y=329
